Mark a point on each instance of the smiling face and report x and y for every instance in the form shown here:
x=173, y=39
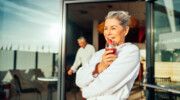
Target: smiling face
x=114, y=31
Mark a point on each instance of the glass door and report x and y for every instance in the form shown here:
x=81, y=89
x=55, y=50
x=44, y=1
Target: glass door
x=82, y=18
x=167, y=48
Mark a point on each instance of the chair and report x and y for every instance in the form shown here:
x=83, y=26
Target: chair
x=36, y=73
x=33, y=74
x=27, y=88
x=2, y=75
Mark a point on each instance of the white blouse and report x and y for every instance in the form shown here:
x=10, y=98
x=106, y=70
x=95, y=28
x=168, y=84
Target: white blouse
x=116, y=81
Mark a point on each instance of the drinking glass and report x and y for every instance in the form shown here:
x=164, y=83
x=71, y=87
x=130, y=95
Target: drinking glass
x=110, y=45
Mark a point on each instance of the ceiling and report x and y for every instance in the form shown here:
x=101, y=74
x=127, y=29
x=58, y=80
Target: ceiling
x=83, y=14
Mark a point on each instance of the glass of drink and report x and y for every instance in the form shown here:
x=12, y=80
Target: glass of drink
x=110, y=45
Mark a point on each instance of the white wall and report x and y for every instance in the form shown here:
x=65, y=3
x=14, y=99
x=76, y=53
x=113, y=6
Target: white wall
x=6, y=60
x=45, y=63
x=26, y=60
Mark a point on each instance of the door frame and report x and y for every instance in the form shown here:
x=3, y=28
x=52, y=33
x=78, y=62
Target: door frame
x=149, y=42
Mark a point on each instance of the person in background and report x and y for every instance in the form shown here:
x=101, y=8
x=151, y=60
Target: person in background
x=83, y=55
x=110, y=74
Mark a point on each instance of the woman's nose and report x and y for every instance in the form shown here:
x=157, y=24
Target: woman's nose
x=109, y=32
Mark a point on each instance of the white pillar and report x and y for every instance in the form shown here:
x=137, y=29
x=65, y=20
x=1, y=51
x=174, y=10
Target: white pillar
x=170, y=14
x=95, y=34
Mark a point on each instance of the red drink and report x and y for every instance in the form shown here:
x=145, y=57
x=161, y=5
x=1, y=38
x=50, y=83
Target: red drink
x=110, y=45
x=113, y=49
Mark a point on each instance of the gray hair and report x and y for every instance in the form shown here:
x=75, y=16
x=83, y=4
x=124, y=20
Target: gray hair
x=122, y=16
x=81, y=38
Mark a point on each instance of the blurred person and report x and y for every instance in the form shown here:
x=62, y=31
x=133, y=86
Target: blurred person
x=83, y=55
x=110, y=74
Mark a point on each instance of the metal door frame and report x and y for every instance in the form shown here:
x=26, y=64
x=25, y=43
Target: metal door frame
x=149, y=43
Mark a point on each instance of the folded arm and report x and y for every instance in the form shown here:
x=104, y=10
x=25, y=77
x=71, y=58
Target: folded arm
x=84, y=74
x=117, y=73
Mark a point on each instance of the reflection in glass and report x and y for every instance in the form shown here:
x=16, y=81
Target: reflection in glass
x=167, y=47
x=29, y=25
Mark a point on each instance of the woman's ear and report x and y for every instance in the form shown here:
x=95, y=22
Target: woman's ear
x=126, y=30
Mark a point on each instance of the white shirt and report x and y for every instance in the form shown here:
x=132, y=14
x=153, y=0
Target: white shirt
x=83, y=55
x=116, y=81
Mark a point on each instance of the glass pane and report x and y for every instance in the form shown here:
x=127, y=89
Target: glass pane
x=167, y=46
x=90, y=16
x=29, y=25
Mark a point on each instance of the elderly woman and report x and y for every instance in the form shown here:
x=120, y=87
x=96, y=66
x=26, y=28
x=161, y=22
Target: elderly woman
x=108, y=75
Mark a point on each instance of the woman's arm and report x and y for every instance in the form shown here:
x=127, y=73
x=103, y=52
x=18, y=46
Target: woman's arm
x=84, y=74
x=119, y=72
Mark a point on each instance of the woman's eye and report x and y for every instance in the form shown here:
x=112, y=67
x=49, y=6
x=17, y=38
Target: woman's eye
x=113, y=28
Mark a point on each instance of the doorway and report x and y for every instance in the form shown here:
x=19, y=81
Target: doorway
x=83, y=18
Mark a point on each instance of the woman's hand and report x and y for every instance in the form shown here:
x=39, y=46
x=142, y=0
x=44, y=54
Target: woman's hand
x=107, y=58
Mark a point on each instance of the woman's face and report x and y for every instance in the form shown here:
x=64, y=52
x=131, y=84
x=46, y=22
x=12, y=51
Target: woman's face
x=114, y=31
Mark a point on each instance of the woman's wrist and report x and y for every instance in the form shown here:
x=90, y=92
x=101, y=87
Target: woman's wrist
x=100, y=67
x=95, y=73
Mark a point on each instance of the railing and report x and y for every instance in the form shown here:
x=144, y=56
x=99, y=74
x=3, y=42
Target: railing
x=161, y=88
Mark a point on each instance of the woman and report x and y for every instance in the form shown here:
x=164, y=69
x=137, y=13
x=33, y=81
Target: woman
x=108, y=75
